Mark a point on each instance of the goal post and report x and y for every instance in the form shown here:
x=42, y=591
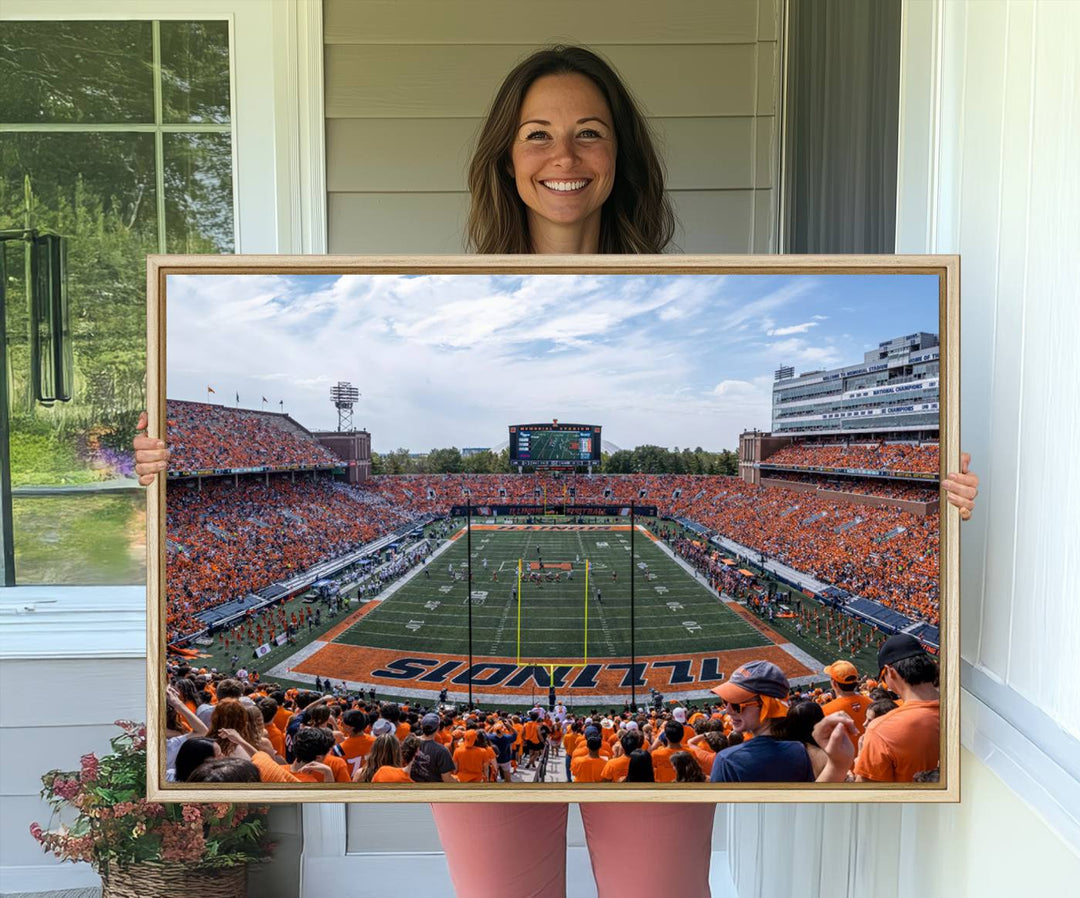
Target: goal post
x=586, y=646
x=547, y=662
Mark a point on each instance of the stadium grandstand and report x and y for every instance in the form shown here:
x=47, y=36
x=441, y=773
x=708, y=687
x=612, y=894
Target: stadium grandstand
x=231, y=549
x=278, y=565
x=866, y=434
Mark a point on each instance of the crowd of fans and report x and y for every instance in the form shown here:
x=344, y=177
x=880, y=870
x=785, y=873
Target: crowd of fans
x=205, y=437
x=227, y=540
x=897, y=458
x=236, y=729
x=863, y=486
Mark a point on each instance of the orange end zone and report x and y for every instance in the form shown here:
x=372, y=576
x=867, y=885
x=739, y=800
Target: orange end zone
x=392, y=669
x=552, y=566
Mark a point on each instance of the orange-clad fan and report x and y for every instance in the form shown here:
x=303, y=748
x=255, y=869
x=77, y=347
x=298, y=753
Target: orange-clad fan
x=356, y=745
x=588, y=767
x=845, y=686
x=906, y=740
x=663, y=749
x=472, y=761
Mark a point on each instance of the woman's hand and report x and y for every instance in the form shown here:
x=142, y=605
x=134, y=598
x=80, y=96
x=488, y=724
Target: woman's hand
x=151, y=456
x=962, y=488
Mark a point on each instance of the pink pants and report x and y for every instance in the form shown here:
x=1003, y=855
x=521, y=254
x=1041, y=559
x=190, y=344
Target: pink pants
x=519, y=850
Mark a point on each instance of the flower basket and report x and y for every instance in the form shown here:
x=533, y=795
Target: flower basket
x=148, y=849
x=173, y=881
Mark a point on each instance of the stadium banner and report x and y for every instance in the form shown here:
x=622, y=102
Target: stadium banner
x=572, y=511
x=610, y=571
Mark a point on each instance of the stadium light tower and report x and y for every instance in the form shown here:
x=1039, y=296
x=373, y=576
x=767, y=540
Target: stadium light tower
x=344, y=395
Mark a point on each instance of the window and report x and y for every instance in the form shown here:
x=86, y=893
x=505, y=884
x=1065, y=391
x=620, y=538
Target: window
x=118, y=136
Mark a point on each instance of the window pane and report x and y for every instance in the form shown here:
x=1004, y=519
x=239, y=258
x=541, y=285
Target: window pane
x=198, y=193
x=82, y=539
x=98, y=191
x=55, y=72
x=195, y=72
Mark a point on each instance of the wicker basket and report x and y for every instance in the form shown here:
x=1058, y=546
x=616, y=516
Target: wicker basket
x=151, y=880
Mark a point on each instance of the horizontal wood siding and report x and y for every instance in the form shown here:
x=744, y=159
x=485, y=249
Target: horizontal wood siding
x=525, y=22
x=408, y=84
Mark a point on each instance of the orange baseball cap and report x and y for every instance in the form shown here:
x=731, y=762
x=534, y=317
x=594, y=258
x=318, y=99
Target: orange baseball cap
x=842, y=672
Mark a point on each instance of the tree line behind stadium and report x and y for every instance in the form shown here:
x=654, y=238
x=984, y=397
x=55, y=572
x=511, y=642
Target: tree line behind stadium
x=646, y=459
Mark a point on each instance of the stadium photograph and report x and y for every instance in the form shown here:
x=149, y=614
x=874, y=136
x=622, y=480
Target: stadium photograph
x=538, y=528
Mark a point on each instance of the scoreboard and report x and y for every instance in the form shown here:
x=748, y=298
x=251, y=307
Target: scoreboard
x=554, y=445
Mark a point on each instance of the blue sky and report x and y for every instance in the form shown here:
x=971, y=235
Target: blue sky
x=453, y=359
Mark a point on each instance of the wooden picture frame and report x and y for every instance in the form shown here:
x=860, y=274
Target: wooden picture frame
x=944, y=268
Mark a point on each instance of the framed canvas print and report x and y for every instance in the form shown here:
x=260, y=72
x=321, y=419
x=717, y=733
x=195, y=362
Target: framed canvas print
x=554, y=528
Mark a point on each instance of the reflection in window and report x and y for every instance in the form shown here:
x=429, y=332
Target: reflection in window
x=117, y=136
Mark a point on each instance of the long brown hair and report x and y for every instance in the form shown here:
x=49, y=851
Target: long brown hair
x=637, y=216
x=385, y=751
x=230, y=714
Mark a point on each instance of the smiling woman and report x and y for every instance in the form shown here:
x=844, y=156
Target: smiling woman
x=565, y=163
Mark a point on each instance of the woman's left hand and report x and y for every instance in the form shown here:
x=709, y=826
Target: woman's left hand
x=962, y=488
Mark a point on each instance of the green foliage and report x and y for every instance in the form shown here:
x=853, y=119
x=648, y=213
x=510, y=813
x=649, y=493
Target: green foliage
x=443, y=461
x=641, y=460
x=99, y=190
x=658, y=460
x=41, y=458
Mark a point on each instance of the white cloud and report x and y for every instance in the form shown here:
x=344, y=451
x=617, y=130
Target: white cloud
x=454, y=359
x=793, y=329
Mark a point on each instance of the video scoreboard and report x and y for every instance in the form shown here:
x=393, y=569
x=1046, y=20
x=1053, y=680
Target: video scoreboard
x=554, y=445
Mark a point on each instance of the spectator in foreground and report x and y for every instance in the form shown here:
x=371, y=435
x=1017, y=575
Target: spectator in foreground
x=433, y=762
x=225, y=770
x=687, y=769
x=640, y=768
x=192, y=753
x=755, y=696
x=845, y=686
x=384, y=763
x=907, y=740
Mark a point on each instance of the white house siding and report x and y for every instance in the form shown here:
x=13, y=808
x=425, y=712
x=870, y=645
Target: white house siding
x=408, y=84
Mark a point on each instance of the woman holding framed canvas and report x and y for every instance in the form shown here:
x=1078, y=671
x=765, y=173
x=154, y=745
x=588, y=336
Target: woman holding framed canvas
x=565, y=164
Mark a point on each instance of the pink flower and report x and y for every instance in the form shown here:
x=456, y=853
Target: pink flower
x=181, y=842
x=37, y=832
x=89, y=767
x=65, y=788
x=150, y=808
x=191, y=813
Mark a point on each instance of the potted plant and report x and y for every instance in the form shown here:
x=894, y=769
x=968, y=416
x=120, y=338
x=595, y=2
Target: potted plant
x=143, y=848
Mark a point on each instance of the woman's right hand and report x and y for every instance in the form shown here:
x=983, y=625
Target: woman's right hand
x=151, y=456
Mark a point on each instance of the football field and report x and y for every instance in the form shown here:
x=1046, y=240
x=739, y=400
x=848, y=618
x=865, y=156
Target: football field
x=557, y=616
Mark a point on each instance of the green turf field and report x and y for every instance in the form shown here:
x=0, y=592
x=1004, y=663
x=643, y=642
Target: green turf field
x=673, y=612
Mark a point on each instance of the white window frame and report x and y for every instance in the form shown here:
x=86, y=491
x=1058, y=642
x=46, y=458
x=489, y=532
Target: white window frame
x=276, y=53
x=1031, y=753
